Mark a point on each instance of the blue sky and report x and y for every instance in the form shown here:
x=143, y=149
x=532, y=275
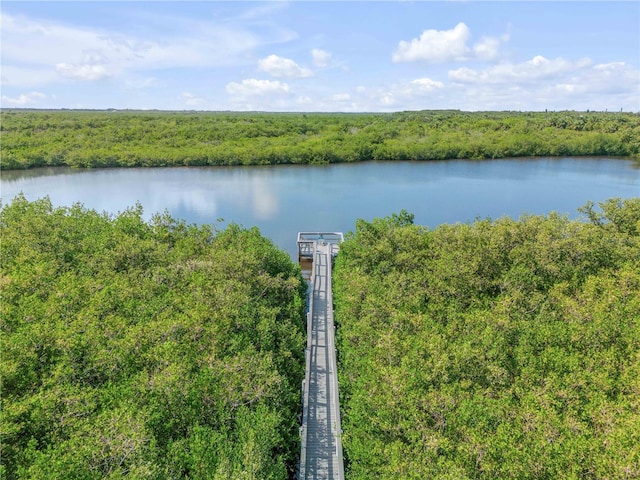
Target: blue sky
x=322, y=56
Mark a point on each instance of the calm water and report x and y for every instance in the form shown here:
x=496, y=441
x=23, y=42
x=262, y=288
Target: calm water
x=283, y=200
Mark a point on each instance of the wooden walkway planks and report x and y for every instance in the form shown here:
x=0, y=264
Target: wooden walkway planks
x=321, y=449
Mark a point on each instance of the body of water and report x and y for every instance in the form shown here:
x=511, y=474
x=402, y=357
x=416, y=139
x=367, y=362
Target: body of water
x=282, y=200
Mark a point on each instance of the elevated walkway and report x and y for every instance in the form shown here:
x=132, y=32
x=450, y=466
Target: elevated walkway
x=321, y=443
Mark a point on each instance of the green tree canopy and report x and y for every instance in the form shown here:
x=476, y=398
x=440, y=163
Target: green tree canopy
x=498, y=349
x=155, y=139
x=146, y=349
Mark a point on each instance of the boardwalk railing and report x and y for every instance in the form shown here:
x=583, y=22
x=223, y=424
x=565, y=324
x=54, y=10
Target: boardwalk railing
x=307, y=376
x=306, y=242
x=331, y=347
x=320, y=247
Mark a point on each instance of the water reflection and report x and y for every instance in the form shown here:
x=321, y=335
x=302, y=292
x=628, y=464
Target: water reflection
x=283, y=200
x=9, y=176
x=193, y=192
x=264, y=201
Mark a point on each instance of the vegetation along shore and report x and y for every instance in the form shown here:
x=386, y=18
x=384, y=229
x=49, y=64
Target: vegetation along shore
x=146, y=350
x=37, y=138
x=496, y=349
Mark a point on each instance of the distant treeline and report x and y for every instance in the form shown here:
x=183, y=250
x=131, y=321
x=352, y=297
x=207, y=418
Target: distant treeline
x=33, y=138
x=498, y=349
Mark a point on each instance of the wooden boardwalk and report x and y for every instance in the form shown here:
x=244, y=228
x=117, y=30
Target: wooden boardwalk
x=321, y=444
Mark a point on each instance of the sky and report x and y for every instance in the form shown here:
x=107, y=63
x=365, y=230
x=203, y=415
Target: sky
x=337, y=56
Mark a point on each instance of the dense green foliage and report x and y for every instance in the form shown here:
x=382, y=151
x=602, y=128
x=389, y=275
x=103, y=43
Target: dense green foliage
x=115, y=138
x=498, y=349
x=146, y=350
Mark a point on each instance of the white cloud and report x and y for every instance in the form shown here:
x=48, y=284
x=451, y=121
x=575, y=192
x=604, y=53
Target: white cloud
x=405, y=94
x=435, y=46
x=543, y=83
x=321, y=58
x=613, y=79
x=86, y=72
x=487, y=48
x=145, y=57
x=93, y=66
x=37, y=52
x=609, y=66
x=24, y=99
x=411, y=95
x=341, y=97
x=467, y=75
x=23, y=77
x=190, y=100
x=252, y=87
x=534, y=70
x=438, y=46
x=283, y=67
x=425, y=85
x=265, y=95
